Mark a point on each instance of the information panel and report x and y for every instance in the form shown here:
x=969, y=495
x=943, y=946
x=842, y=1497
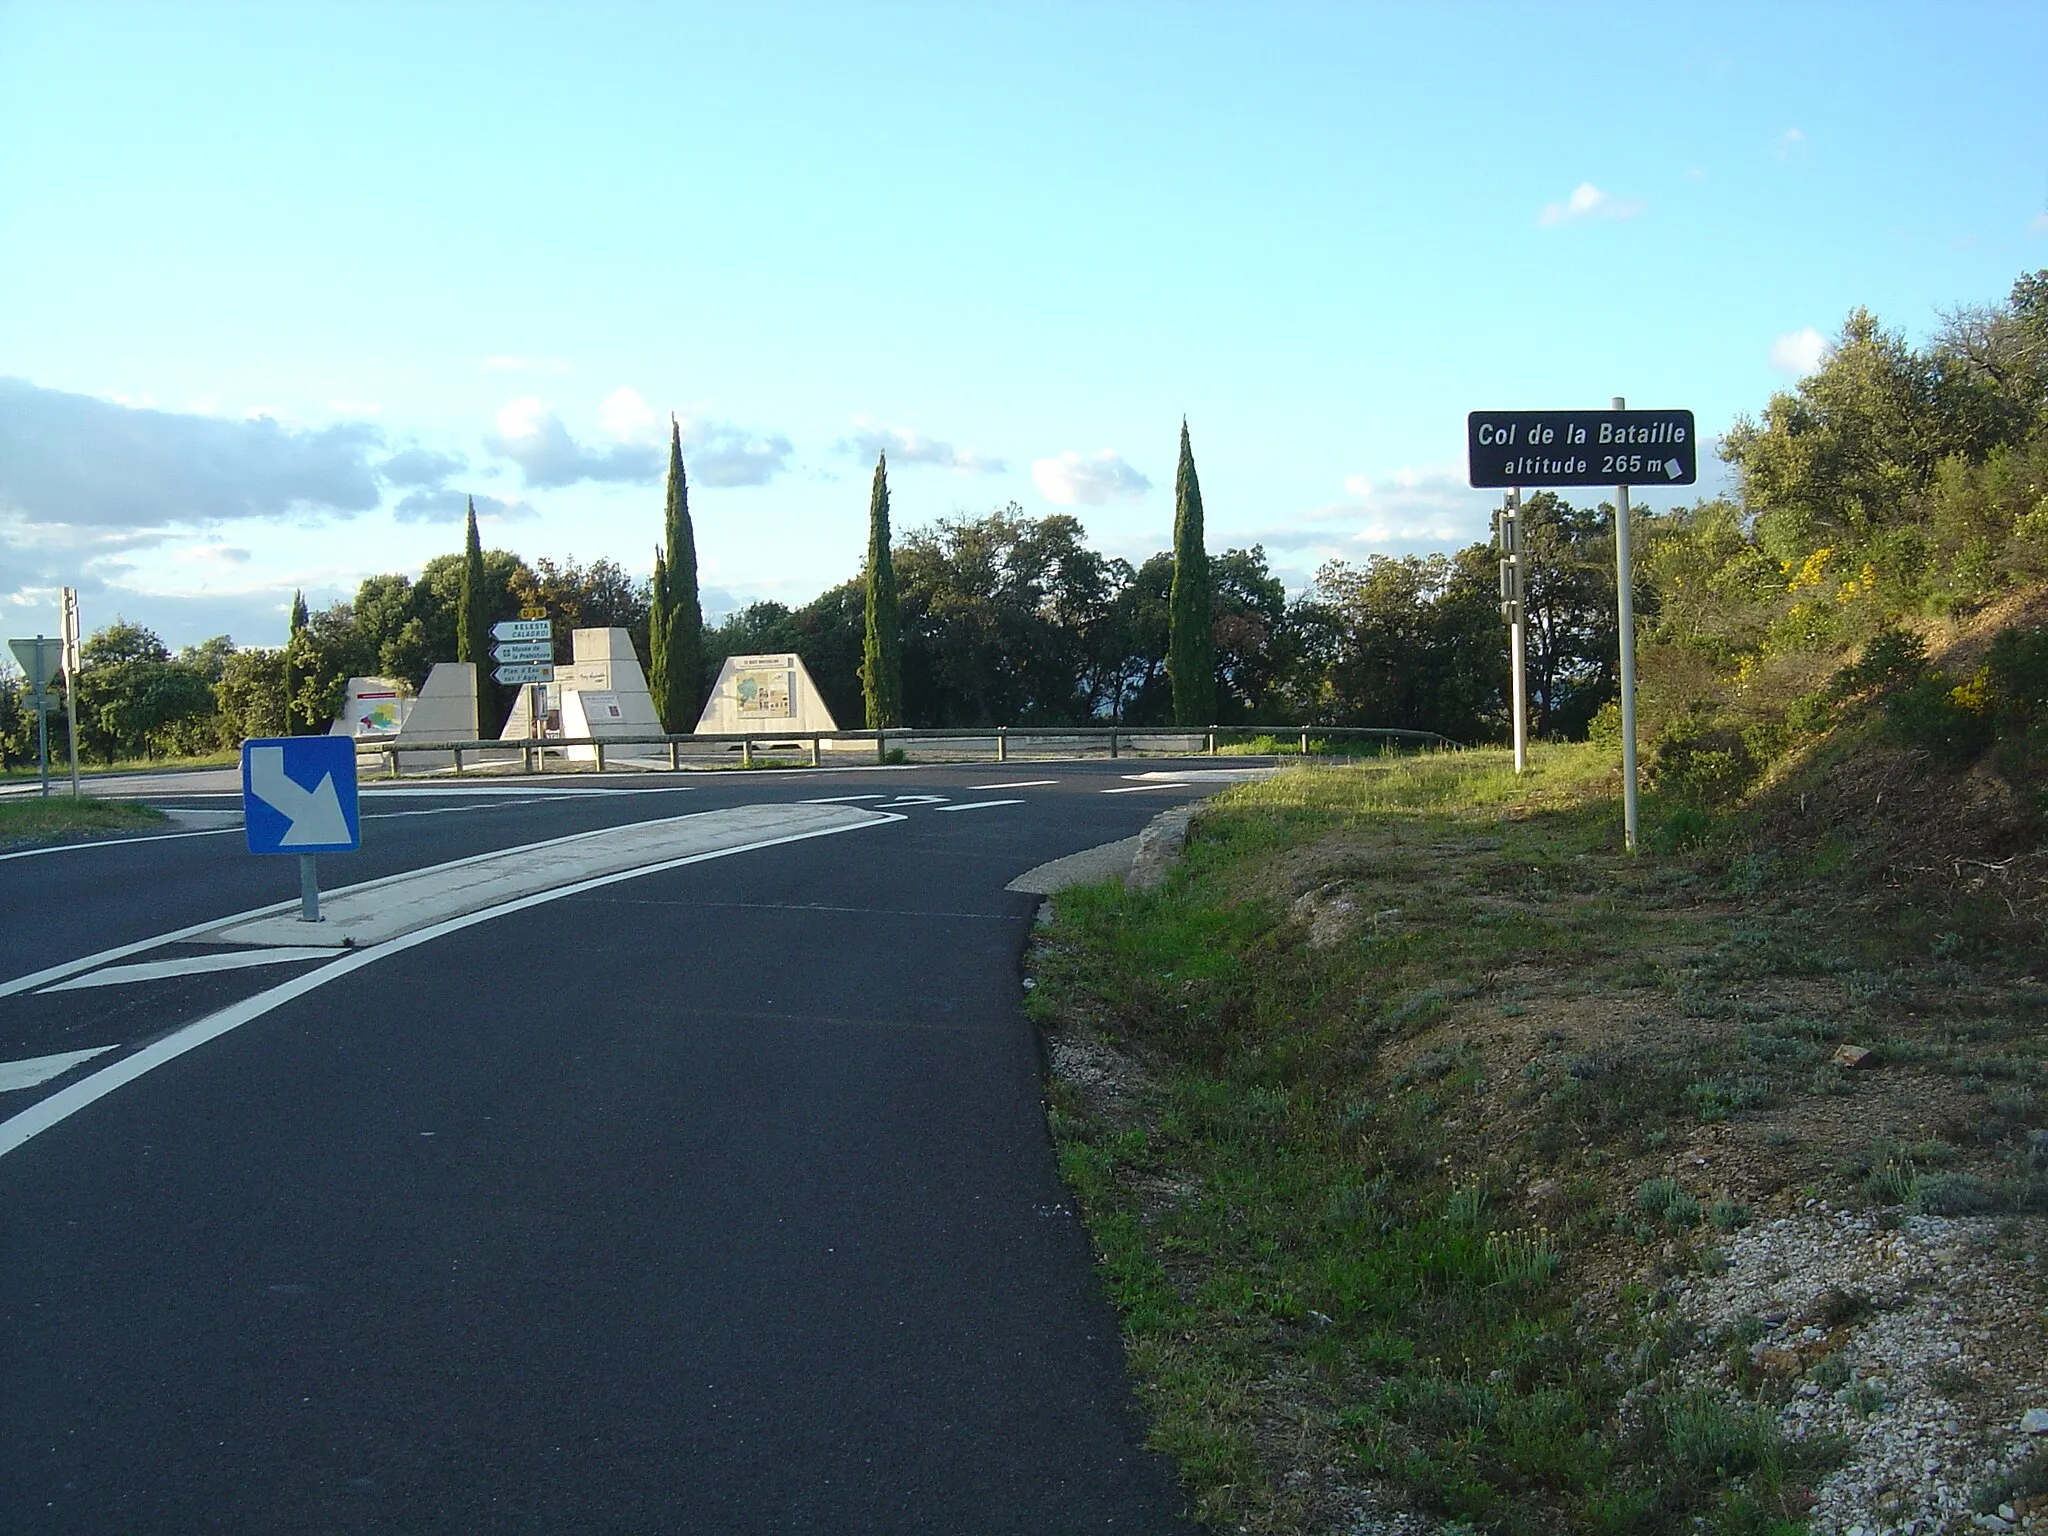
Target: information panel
x=1581, y=448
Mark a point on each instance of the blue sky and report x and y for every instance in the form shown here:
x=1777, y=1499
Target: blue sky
x=281, y=284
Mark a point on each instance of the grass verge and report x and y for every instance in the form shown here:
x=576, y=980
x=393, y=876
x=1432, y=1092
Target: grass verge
x=31, y=818
x=1388, y=1112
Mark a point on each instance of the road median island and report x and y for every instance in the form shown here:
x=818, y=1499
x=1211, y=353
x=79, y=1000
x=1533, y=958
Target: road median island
x=380, y=910
x=1446, y=1162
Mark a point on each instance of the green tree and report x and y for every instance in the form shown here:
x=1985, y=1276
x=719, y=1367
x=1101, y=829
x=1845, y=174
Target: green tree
x=292, y=679
x=249, y=696
x=135, y=701
x=473, y=626
x=675, y=635
x=1191, y=644
x=881, y=666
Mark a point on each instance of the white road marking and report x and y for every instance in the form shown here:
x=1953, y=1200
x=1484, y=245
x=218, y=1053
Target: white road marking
x=68, y=1101
x=1132, y=789
x=115, y=842
x=839, y=799
x=1021, y=784
x=453, y=786
x=191, y=965
x=65, y=968
x=918, y=800
x=977, y=805
x=40, y=1069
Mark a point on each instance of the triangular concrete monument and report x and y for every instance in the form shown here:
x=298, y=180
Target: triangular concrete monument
x=760, y=694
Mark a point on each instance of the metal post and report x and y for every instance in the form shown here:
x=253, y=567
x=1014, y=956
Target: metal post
x=1212, y=741
x=1304, y=741
x=1518, y=632
x=746, y=751
x=881, y=745
x=458, y=762
x=675, y=756
x=1112, y=741
x=1625, y=604
x=71, y=678
x=1002, y=743
x=597, y=751
x=43, y=720
x=816, y=749
x=309, y=890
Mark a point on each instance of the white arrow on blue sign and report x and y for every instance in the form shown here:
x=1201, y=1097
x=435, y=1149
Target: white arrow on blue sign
x=522, y=629
x=299, y=795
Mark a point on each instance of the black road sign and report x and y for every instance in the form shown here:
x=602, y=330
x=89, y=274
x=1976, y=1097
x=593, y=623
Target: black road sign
x=1595, y=448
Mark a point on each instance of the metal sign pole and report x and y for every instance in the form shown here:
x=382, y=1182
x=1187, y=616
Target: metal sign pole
x=1518, y=643
x=71, y=678
x=1625, y=606
x=309, y=890
x=43, y=721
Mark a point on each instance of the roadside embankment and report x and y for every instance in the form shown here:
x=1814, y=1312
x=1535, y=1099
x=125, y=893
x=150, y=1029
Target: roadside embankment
x=1450, y=1165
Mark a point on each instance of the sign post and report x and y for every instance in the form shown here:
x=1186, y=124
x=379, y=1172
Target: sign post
x=299, y=796
x=1618, y=447
x=1625, y=614
x=71, y=678
x=1512, y=607
x=41, y=659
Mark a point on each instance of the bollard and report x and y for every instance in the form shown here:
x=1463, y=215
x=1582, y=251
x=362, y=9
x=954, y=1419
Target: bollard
x=1002, y=743
x=815, y=749
x=746, y=751
x=1212, y=741
x=1304, y=742
x=1112, y=741
x=458, y=762
x=597, y=748
x=881, y=747
x=675, y=756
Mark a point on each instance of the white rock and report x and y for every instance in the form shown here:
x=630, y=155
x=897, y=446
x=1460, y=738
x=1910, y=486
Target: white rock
x=2034, y=1422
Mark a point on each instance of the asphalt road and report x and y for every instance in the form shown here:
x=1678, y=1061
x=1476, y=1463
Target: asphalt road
x=714, y=1200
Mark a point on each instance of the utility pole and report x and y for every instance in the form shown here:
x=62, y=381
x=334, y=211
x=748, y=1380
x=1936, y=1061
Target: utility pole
x=1625, y=606
x=1507, y=524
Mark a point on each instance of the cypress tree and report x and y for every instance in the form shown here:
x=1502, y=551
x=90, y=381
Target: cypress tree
x=473, y=626
x=1191, y=642
x=293, y=677
x=675, y=628
x=657, y=636
x=881, y=666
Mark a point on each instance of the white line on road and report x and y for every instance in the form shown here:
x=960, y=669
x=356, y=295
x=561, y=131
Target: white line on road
x=1021, y=784
x=839, y=799
x=977, y=805
x=58, y=972
x=918, y=800
x=66, y=1102
x=115, y=842
x=191, y=965
x=1132, y=789
x=40, y=1069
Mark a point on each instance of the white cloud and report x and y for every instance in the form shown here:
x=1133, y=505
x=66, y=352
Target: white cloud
x=532, y=436
x=69, y=460
x=627, y=417
x=2038, y=224
x=1413, y=510
x=905, y=447
x=1073, y=481
x=1588, y=202
x=1799, y=352
x=1791, y=142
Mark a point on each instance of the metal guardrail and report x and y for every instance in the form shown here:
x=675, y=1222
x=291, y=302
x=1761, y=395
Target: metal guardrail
x=533, y=751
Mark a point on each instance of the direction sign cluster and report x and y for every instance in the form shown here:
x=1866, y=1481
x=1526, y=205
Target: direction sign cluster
x=525, y=648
